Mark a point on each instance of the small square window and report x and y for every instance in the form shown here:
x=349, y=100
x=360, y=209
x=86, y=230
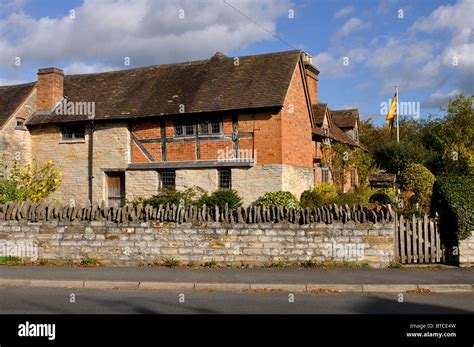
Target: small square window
x=168, y=179
x=20, y=123
x=73, y=132
x=225, y=179
x=184, y=127
x=210, y=125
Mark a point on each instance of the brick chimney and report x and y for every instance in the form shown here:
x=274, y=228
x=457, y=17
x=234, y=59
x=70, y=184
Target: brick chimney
x=49, y=89
x=311, y=77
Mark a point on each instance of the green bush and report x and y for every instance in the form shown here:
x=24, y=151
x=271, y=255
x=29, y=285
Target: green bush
x=417, y=179
x=358, y=196
x=220, y=198
x=452, y=199
x=311, y=199
x=380, y=198
x=280, y=198
x=327, y=191
x=9, y=191
x=171, y=196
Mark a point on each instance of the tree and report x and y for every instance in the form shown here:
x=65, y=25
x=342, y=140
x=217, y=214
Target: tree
x=417, y=183
x=35, y=182
x=451, y=139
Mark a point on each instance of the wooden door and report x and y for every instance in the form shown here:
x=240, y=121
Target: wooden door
x=115, y=188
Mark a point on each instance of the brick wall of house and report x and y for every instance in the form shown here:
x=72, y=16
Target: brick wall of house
x=297, y=144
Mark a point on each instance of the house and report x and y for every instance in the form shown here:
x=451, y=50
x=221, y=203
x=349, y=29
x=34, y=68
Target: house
x=340, y=126
x=250, y=123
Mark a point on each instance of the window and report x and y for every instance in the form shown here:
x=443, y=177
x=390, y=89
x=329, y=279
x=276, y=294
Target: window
x=184, y=127
x=325, y=130
x=355, y=135
x=324, y=175
x=353, y=178
x=225, y=179
x=168, y=179
x=210, y=125
x=20, y=123
x=73, y=132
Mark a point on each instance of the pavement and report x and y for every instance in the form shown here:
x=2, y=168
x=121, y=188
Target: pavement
x=447, y=280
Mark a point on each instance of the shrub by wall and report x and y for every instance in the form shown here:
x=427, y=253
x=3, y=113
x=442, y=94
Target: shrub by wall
x=453, y=200
x=285, y=199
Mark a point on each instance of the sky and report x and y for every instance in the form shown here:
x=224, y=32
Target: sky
x=362, y=48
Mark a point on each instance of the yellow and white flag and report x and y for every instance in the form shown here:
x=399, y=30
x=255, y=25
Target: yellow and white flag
x=392, y=113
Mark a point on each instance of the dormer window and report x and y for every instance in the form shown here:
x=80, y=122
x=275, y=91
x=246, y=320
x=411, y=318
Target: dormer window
x=20, y=123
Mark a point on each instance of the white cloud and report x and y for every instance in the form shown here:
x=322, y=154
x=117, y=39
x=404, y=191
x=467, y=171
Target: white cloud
x=332, y=66
x=395, y=51
x=149, y=32
x=349, y=27
x=439, y=99
x=344, y=12
x=453, y=17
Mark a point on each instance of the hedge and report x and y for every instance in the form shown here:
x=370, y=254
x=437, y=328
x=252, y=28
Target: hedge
x=453, y=200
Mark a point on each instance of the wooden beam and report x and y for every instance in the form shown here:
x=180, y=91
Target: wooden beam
x=198, y=164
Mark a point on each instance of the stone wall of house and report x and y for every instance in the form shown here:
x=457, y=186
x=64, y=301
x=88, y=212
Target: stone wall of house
x=141, y=184
x=206, y=179
x=251, y=183
x=142, y=235
x=111, y=152
x=466, y=251
x=297, y=179
x=15, y=143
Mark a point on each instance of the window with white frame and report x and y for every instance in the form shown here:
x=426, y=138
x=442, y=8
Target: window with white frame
x=184, y=127
x=210, y=125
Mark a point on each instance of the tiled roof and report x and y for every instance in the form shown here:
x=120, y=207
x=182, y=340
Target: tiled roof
x=11, y=97
x=336, y=120
x=319, y=110
x=345, y=118
x=216, y=84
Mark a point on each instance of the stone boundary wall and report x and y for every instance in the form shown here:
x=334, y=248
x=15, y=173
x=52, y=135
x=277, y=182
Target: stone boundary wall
x=466, y=251
x=34, y=212
x=141, y=243
x=145, y=235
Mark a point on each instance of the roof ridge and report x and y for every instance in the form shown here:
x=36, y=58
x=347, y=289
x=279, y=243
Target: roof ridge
x=190, y=62
x=19, y=85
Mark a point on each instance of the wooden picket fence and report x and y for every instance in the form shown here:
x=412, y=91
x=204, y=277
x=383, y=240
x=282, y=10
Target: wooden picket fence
x=418, y=240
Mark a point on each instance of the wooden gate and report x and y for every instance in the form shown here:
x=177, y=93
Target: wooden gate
x=418, y=240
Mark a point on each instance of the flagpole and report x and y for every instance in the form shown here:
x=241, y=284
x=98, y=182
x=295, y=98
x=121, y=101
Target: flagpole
x=398, y=118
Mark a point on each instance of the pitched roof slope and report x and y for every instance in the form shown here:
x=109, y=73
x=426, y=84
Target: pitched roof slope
x=345, y=118
x=319, y=110
x=11, y=97
x=216, y=84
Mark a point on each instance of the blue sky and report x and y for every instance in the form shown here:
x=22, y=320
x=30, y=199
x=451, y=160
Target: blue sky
x=426, y=47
